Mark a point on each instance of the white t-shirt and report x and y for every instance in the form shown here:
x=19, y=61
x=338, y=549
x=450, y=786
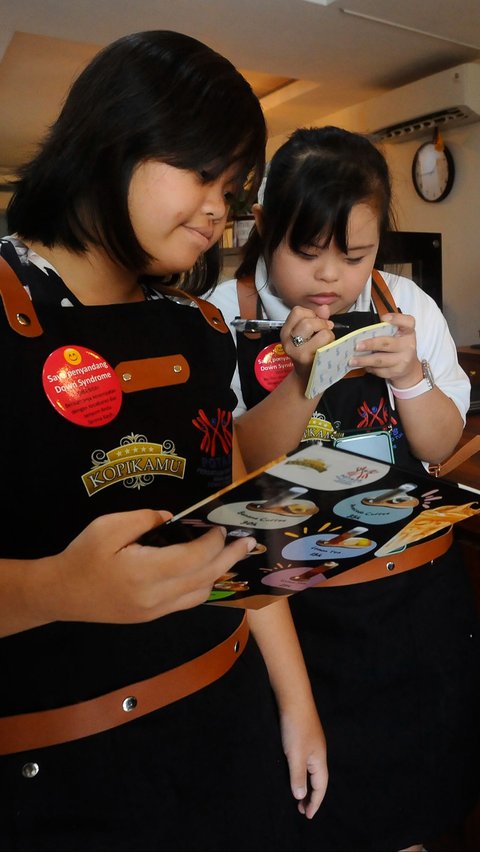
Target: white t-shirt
x=434, y=341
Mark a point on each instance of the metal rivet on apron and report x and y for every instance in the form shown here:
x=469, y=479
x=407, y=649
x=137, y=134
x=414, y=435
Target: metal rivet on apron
x=390, y=566
x=129, y=704
x=29, y=770
x=23, y=319
x=126, y=377
x=236, y=647
x=177, y=368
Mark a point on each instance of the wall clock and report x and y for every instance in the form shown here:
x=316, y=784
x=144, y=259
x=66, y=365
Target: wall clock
x=433, y=171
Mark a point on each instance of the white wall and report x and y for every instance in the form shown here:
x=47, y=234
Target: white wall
x=457, y=218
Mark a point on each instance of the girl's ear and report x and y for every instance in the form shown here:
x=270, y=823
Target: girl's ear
x=257, y=210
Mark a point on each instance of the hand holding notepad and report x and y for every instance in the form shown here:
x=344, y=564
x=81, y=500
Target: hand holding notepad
x=331, y=362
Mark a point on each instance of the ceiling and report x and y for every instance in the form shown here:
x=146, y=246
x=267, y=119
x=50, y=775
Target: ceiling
x=304, y=58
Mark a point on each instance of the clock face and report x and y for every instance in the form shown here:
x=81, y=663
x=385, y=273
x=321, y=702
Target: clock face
x=433, y=172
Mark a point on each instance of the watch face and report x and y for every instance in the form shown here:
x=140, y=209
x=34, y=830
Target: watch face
x=427, y=373
x=433, y=172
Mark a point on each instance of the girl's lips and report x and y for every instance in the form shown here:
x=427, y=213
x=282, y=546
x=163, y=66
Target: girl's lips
x=203, y=235
x=323, y=298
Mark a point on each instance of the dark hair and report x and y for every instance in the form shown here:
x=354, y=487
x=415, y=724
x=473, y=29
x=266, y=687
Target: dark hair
x=152, y=95
x=314, y=179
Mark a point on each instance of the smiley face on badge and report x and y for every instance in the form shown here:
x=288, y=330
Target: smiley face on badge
x=72, y=356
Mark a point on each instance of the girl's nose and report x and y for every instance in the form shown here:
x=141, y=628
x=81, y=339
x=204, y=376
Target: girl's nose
x=326, y=269
x=215, y=204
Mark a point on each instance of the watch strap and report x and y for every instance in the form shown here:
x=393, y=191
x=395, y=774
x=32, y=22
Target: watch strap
x=423, y=386
x=409, y=393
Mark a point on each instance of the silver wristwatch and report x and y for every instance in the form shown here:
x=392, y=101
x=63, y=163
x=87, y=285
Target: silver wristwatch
x=427, y=374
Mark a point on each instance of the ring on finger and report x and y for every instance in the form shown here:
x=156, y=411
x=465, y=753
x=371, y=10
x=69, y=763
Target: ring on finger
x=297, y=339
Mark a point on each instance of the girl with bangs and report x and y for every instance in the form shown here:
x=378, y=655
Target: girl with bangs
x=394, y=663
x=133, y=717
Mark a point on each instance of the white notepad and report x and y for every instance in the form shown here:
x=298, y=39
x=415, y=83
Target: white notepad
x=330, y=363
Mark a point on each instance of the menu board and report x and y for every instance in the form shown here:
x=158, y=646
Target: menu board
x=317, y=514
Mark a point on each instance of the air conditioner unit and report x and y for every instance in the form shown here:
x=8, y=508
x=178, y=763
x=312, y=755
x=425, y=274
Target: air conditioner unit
x=449, y=98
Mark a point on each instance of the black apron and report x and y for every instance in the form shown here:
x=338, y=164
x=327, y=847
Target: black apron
x=182, y=777
x=394, y=665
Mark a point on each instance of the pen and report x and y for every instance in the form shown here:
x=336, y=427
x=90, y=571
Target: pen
x=259, y=325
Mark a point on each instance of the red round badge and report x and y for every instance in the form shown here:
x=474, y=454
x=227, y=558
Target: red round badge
x=82, y=386
x=272, y=365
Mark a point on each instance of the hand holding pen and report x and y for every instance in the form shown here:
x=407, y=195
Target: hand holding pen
x=301, y=334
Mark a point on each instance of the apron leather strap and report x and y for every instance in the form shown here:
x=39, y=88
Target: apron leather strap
x=147, y=373
x=395, y=563
x=209, y=311
x=455, y=460
x=17, y=303
x=381, y=295
x=28, y=731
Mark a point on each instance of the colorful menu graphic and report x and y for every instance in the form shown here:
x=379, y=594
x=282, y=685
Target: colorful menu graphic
x=315, y=515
